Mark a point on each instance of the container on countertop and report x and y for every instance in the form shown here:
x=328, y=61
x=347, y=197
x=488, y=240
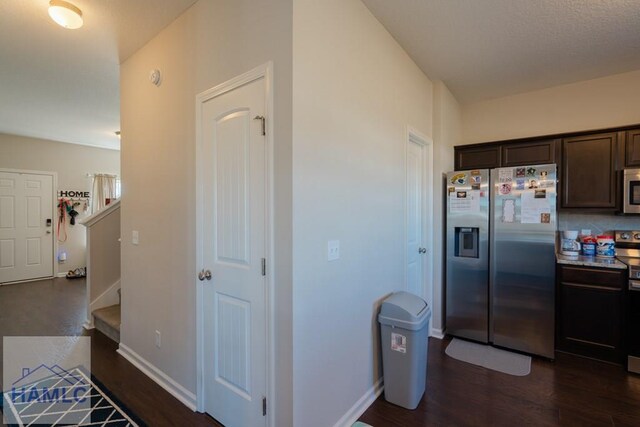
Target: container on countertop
x=589, y=244
x=605, y=246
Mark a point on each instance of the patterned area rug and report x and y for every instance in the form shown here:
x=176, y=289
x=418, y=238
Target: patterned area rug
x=65, y=398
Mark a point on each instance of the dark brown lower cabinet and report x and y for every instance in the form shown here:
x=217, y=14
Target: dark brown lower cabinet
x=590, y=312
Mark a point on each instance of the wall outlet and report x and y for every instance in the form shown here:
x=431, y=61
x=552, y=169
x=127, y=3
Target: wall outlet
x=135, y=237
x=333, y=250
x=158, y=339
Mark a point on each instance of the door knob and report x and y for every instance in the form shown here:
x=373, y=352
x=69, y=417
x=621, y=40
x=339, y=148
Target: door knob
x=205, y=275
x=422, y=250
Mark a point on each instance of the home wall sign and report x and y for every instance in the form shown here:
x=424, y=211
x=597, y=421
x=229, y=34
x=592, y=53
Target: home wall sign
x=71, y=193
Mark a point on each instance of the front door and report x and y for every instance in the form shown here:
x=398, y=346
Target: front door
x=26, y=226
x=234, y=189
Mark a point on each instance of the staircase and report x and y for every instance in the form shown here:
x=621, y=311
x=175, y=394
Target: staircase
x=107, y=321
x=103, y=270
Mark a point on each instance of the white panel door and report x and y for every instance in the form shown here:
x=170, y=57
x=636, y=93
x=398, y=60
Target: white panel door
x=415, y=214
x=234, y=189
x=26, y=239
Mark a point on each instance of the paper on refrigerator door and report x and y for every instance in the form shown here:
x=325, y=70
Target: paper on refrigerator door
x=464, y=201
x=535, y=207
x=505, y=175
x=509, y=210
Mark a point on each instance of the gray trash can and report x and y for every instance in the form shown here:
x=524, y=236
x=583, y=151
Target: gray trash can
x=404, y=328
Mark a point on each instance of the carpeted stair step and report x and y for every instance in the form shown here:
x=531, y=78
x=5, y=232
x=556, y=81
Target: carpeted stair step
x=107, y=321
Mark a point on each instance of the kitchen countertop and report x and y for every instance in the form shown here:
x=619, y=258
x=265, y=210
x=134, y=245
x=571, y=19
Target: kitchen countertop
x=589, y=261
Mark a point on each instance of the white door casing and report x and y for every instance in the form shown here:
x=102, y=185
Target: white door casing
x=26, y=239
x=234, y=236
x=419, y=215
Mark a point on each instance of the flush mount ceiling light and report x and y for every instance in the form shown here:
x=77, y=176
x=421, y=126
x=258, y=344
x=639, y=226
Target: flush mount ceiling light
x=65, y=14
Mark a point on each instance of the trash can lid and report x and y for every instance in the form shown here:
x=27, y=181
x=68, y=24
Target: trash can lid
x=405, y=310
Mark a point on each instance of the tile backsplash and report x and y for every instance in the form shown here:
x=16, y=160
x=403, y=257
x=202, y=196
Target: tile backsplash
x=597, y=223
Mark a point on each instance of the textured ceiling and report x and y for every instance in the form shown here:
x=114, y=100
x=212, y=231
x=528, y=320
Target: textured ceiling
x=486, y=49
x=64, y=84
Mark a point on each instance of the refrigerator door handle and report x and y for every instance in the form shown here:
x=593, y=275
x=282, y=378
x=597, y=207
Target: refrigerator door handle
x=492, y=242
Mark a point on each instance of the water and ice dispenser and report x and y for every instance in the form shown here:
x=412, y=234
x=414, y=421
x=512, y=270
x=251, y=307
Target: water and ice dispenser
x=467, y=242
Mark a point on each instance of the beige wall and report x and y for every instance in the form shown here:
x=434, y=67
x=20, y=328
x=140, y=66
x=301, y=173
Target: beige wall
x=72, y=163
x=104, y=247
x=210, y=43
x=593, y=104
x=355, y=92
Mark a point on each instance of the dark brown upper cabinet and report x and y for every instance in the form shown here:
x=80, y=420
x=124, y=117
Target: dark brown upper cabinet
x=530, y=153
x=632, y=149
x=477, y=157
x=506, y=154
x=589, y=171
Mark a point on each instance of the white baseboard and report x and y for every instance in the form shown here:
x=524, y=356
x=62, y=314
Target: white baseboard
x=361, y=405
x=63, y=274
x=437, y=333
x=88, y=324
x=17, y=282
x=162, y=379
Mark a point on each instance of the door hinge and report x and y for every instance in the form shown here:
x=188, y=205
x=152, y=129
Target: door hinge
x=264, y=124
x=264, y=267
x=264, y=406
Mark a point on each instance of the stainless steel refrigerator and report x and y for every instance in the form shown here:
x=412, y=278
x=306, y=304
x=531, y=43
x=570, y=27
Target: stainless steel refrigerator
x=500, y=255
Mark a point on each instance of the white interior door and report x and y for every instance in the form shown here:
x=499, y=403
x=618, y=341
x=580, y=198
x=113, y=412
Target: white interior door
x=26, y=239
x=416, y=217
x=234, y=189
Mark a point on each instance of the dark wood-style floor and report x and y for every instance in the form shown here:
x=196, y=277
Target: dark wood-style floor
x=571, y=391
x=57, y=307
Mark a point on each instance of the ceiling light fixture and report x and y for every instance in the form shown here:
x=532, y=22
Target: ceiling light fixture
x=65, y=14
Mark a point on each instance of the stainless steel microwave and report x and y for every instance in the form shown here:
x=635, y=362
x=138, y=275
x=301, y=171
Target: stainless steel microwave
x=631, y=191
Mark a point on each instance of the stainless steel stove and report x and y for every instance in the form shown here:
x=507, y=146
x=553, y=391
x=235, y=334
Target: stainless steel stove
x=628, y=251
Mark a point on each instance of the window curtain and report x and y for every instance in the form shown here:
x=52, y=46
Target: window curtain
x=104, y=190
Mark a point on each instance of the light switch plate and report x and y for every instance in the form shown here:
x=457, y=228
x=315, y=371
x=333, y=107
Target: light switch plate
x=135, y=237
x=333, y=250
